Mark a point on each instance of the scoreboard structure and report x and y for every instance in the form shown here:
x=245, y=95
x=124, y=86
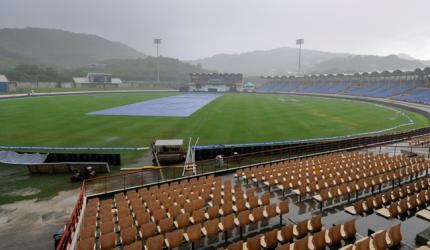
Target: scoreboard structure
x=216, y=82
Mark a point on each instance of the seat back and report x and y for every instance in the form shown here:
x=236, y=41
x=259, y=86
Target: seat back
x=379, y=241
x=155, y=243
x=395, y=235
x=301, y=244
x=302, y=228
x=212, y=227
x=243, y=218
x=213, y=212
x=166, y=225
x=315, y=223
x=175, y=238
x=271, y=239
x=318, y=240
x=183, y=220
x=349, y=229
x=107, y=241
x=227, y=222
x=194, y=232
x=287, y=233
x=236, y=246
x=128, y=235
x=253, y=243
x=148, y=230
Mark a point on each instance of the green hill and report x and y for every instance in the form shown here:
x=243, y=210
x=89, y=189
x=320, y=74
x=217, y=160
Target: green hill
x=282, y=61
x=145, y=69
x=60, y=48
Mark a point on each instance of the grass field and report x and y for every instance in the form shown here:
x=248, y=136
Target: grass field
x=232, y=118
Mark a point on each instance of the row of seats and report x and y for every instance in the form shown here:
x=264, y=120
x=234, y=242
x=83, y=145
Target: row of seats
x=406, y=205
x=311, y=182
x=211, y=228
x=369, y=182
x=380, y=240
x=295, y=236
x=386, y=198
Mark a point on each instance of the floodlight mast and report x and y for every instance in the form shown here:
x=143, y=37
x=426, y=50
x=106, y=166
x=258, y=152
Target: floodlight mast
x=300, y=42
x=157, y=42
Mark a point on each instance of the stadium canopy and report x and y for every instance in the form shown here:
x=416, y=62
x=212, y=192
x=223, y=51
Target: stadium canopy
x=11, y=157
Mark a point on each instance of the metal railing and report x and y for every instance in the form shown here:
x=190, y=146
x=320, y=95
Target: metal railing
x=71, y=226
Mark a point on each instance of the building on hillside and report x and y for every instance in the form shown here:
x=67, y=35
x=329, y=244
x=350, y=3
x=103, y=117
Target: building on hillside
x=4, y=84
x=216, y=82
x=97, y=79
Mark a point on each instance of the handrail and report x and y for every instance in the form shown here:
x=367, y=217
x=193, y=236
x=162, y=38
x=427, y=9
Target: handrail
x=71, y=225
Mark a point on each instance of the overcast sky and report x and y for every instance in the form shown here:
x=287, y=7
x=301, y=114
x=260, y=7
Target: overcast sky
x=193, y=29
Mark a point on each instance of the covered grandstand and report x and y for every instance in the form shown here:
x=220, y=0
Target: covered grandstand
x=412, y=86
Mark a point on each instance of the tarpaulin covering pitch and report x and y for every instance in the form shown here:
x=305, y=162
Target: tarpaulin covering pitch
x=11, y=157
x=176, y=106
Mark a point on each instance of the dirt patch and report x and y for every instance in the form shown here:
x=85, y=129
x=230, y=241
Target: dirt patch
x=24, y=192
x=30, y=224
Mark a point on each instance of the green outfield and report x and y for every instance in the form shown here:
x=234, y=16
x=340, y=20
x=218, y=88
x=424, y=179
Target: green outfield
x=232, y=118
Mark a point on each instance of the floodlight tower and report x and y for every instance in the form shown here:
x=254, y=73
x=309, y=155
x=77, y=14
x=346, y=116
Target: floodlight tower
x=157, y=42
x=300, y=42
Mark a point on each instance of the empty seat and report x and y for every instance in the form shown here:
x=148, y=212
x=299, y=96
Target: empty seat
x=236, y=246
x=264, y=199
x=362, y=244
x=86, y=244
x=182, y=220
x=282, y=208
x=269, y=239
x=165, y=225
x=87, y=232
x=226, y=224
x=226, y=209
x=314, y=224
x=256, y=215
x=198, y=216
x=270, y=211
x=301, y=229
x=128, y=235
x=348, y=230
x=137, y=245
x=154, y=243
x=212, y=212
x=253, y=243
x=194, y=233
x=107, y=241
x=239, y=206
x=333, y=236
x=286, y=234
x=394, y=236
x=147, y=230
x=317, y=241
x=174, y=239
x=211, y=228
x=301, y=244
x=242, y=220
x=142, y=218
x=378, y=240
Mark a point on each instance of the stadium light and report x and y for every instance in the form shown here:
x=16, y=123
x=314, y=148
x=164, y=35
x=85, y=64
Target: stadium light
x=300, y=42
x=157, y=42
